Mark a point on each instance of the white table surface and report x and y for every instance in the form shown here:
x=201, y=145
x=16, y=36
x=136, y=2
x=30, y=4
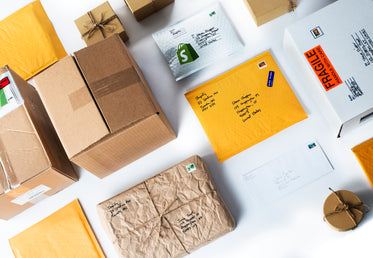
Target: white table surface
x=292, y=227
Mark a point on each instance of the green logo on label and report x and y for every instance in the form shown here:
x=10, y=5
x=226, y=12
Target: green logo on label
x=186, y=53
x=3, y=100
x=191, y=167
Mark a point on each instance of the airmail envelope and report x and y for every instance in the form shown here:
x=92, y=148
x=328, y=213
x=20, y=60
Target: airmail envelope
x=245, y=106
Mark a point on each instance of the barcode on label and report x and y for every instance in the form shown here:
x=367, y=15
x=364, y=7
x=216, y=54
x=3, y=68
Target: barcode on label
x=354, y=88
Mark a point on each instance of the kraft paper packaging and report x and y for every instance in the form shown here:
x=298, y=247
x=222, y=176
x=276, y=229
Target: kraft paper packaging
x=28, y=41
x=198, y=41
x=169, y=215
x=343, y=219
x=65, y=233
x=245, y=106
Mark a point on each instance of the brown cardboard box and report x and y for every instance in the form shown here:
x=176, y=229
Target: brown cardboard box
x=266, y=10
x=33, y=162
x=143, y=8
x=127, y=122
x=107, y=22
x=169, y=215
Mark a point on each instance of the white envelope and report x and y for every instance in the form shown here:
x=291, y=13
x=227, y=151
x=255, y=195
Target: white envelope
x=288, y=172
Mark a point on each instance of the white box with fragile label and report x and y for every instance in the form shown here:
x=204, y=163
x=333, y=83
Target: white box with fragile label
x=335, y=47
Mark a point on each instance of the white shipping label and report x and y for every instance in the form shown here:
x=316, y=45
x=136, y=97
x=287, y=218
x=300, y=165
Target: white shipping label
x=10, y=97
x=198, y=41
x=31, y=195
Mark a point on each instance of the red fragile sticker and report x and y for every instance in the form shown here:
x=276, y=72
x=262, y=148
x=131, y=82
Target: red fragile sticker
x=4, y=82
x=323, y=68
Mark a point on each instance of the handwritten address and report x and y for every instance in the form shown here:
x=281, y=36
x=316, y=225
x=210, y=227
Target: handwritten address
x=117, y=208
x=245, y=106
x=206, y=101
x=189, y=221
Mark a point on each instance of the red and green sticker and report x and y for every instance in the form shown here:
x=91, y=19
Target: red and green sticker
x=3, y=100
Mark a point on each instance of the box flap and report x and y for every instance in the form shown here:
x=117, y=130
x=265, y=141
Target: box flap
x=115, y=82
x=120, y=149
x=22, y=154
x=70, y=106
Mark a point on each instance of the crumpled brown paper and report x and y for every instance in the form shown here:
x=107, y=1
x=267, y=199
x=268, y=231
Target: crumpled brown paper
x=169, y=215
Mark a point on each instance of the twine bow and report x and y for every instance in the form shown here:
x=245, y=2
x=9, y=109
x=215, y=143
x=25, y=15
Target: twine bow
x=346, y=207
x=102, y=25
x=292, y=6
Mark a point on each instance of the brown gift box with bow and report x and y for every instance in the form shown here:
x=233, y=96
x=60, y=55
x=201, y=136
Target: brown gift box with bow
x=169, y=215
x=143, y=8
x=99, y=24
x=343, y=210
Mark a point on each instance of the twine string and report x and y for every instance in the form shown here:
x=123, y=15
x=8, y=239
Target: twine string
x=101, y=25
x=346, y=207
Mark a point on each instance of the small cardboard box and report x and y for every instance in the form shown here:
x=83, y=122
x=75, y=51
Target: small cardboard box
x=143, y=8
x=33, y=162
x=264, y=11
x=334, y=48
x=100, y=23
x=169, y=215
x=112, y=121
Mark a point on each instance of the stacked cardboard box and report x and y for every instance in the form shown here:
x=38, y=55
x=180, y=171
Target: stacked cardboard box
x=33, y=162
x=108, y=117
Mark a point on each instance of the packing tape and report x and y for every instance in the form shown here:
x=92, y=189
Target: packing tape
x=8, y=179
x=114, y=82
x=80, y=98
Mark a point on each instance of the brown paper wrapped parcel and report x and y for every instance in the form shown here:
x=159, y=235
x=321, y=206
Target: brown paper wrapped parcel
x=169, y=215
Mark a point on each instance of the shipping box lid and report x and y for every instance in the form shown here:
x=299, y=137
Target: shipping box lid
x=70, y=106
x=335, y=45
x=116, y=83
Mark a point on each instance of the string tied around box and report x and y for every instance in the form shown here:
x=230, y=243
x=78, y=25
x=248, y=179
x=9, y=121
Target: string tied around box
x=346, y=207
x=292, y=5
x=101, y=25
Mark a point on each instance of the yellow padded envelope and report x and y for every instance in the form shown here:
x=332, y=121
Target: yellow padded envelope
x=65, y=233
x=245, y=106
x=364, y=154
x=28, y=41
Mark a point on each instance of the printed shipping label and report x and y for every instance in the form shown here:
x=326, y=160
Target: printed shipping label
x=31, y=195
x=323, y=68
x=10, y=97
x=363, y=45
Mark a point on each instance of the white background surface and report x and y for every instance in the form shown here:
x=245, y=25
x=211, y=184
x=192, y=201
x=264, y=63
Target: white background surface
x=292, y=227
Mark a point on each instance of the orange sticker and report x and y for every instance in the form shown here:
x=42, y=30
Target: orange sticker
x=323, y=68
